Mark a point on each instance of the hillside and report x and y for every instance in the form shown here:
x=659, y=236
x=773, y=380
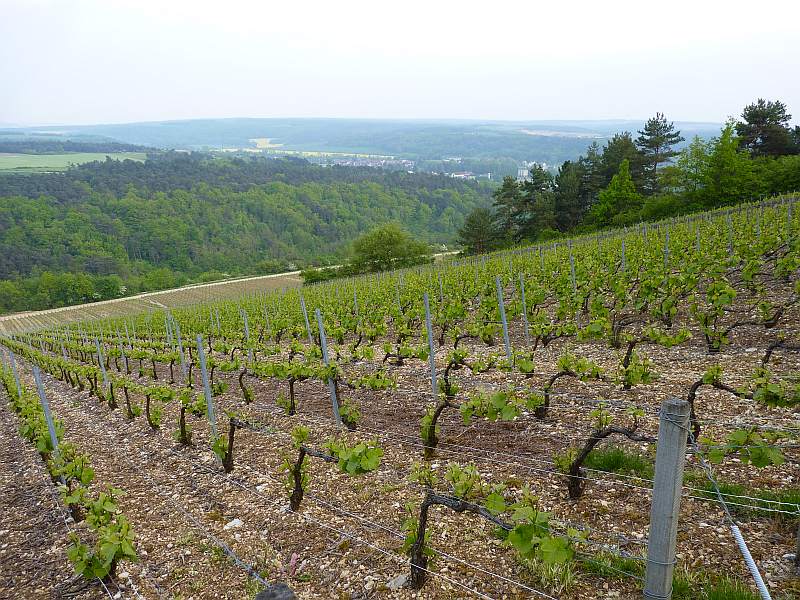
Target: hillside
x=111, y=228
x=542, y=141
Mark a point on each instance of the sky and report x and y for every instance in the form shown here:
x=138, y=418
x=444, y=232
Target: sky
x=113, y=61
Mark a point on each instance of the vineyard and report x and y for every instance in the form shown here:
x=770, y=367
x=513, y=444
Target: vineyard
x=128, y=305
x=483, y=428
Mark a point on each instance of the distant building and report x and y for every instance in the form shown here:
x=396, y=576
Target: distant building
x=524, y=170
x=463, y=175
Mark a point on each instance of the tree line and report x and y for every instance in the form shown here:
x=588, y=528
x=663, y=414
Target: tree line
x=630, y=180
x=170, y=171
x=53, y=146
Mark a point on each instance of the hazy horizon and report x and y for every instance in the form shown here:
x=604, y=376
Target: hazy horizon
x=609, y=121
x=89, y=62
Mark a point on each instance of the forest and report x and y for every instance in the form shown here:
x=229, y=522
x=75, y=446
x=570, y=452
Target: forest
x=107, y=229
x=644, y=178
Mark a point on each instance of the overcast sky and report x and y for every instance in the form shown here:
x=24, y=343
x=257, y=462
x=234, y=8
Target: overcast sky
x=104, y=61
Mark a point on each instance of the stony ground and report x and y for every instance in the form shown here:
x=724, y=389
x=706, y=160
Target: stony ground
x=34, y=526
x=345, y=540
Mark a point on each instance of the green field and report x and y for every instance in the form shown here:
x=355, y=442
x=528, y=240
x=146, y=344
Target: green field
x=41, y=163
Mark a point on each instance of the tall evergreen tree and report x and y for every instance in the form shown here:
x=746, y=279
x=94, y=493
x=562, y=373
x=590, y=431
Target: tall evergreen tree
x=506, y=204
x=478, y=234
x=591, y=174
x=535, y=210
x=618, y=148
x=655, y=144
x=569, y=201
x=764, y=129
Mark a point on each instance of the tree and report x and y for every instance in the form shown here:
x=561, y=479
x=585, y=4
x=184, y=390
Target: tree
x=569, y=202
x=535, y=210
x=592, y=165
x=11, y=296
x=730, y=174
x=388, y=247
x=591, y=174
x=618, y=198
x=506, y=204
x=478, y=234
x=764, y=129
x=779, y=175
x=618, y=148
x=655, y=143
x=691, y=170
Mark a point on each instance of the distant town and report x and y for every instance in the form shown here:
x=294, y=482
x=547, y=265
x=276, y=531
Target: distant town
x=450, y=166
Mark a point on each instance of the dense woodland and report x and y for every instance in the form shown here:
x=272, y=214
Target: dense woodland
x=632, y=179
x=106, y=229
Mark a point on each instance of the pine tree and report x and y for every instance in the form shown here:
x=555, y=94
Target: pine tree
x=591, y=174
x=478, y=234
x=764, y=129
x=506, y=204
x=569, y=203
x=655, y=143
x=618, y=148
x=536, y=208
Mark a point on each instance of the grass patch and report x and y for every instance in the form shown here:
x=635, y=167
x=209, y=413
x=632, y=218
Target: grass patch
x=617, y=460
x=729, y=589
x=686, y=585
x=43, y=163
x=611, y=566
x=788, y=498
x=556, y=578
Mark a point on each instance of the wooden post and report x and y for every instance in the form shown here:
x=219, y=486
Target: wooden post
x=305, y=316
x=101, y=363
x=572, y=272
x=667, y=486
x=331, y=383
x=431, y=347
x=503, y=317
x=16, y=373
x=184, y=370
x=212, y=414
x=524, y=308
x=243, y=312
x=51, y=428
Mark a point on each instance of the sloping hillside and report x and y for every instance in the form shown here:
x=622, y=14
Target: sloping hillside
x=105, y=229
